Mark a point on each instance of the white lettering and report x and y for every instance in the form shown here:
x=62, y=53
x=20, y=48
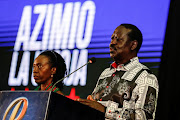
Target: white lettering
x=23, y=73
x=60, y=28
x=47, y=25
x=80, y=76
x=70, y=80
x=55, y=25
x=71, y=44
x=12, y=80
x=23, y=34
x=87, y=7
x=41, y=10
x=64, y=27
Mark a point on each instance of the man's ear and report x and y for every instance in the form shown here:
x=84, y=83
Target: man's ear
x=134, y=44
x=53, y=70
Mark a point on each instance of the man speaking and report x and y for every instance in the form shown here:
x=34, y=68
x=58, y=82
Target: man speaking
x=127, y=90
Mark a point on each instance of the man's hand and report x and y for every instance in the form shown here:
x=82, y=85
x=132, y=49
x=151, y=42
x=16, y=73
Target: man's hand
x=90, y=98
x=92, y=103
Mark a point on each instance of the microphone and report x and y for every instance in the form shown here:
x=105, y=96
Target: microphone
x=90, y=61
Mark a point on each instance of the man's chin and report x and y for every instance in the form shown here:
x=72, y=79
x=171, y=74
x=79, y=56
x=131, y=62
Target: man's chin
x=112, y=55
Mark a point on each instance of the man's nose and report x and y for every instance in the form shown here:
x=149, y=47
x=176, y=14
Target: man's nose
x=113, y=42
x=35, y=69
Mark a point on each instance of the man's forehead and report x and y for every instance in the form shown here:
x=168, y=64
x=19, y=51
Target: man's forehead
x=121, y=31
x=114, y=34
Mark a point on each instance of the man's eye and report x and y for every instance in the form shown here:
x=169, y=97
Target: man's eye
x=116, y=38
x=39, y=66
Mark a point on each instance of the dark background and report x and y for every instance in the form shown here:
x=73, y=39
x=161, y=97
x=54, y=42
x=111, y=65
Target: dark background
x=168, y=101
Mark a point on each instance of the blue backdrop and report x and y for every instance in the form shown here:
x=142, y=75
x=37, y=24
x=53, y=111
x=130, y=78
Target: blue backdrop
x=78, y=30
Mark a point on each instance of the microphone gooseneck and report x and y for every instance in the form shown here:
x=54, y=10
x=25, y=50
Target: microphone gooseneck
x=91, y=61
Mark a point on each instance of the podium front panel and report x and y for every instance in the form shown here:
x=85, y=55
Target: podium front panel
x=34, y=104
x=42, y=105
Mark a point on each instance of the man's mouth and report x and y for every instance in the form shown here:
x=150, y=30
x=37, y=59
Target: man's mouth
x=112, y=50
x=35, y=77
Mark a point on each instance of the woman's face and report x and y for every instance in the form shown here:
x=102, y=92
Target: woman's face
x=42, y=70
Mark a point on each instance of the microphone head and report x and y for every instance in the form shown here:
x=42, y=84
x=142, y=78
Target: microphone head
x=92, y=60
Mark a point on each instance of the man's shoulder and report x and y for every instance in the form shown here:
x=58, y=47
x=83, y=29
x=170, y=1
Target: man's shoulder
x=136, y=68
x=144, y=67
x=147, y=76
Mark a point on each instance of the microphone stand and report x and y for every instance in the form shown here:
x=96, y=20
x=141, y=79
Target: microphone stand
x=68, y=75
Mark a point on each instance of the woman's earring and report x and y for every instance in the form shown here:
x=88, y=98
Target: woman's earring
x=52, y=75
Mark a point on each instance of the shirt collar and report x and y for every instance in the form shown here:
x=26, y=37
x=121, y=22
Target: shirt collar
x=125, y=67
x=133, y=62
x=117, y=67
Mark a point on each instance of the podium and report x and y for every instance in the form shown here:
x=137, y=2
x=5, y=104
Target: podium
x=43, y=105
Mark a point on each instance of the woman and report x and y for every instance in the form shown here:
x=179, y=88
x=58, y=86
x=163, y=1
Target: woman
x=49, y=67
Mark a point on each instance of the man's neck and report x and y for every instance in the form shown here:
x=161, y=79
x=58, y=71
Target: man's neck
x=123, y=61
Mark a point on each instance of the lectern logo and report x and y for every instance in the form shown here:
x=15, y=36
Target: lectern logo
x=17, y=103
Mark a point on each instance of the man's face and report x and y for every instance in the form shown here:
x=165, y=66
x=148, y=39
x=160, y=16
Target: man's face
x=42, y=69
x=120, y=46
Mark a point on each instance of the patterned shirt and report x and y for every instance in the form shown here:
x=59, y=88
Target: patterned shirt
x=129, y=91
x=48, y=87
